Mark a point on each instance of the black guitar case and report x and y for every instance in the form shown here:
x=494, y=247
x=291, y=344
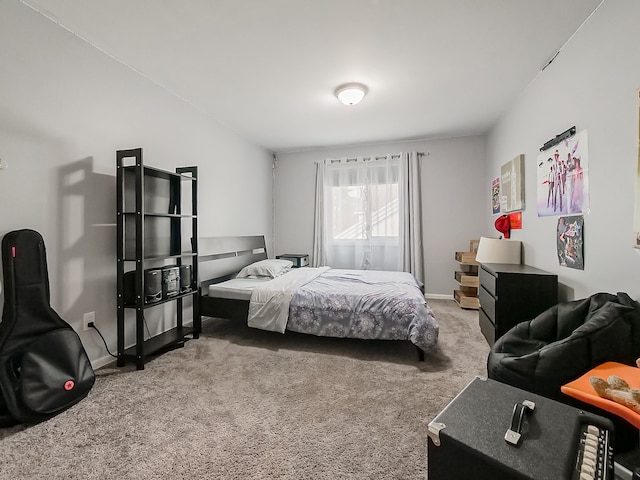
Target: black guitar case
x=44, y=368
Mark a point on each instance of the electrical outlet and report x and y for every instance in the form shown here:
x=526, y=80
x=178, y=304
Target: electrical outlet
x=88, y=318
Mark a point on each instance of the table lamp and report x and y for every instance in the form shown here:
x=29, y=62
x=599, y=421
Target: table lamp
x=494, y=250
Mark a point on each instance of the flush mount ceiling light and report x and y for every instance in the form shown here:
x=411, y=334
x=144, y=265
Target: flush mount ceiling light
x=351, y=93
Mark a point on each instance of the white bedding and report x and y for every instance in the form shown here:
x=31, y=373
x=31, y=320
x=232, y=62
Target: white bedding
x=269, y=307
x=236, y=288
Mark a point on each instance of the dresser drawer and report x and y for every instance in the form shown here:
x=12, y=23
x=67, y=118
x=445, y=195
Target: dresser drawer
x=488, y=281
x=487, y=303
x=487, y=328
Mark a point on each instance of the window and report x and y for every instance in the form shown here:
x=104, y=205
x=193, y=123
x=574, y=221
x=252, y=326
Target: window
x=351, y=216
x=362, y=213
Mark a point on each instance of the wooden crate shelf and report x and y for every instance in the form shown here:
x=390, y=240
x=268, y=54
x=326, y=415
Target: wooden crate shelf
x=467, y=277
x=466, y=299
x=466, y=258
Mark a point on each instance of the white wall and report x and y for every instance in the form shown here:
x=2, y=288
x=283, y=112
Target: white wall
x=452, y=213
x=65, y=109
x=592, y=84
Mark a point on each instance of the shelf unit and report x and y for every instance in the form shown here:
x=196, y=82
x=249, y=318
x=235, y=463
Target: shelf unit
x=467, y=278
x=157, y=226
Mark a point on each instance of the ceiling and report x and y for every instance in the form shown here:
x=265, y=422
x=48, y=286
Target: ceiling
x=268, y=69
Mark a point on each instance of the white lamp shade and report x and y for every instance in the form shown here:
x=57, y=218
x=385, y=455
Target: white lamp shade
x=493, y=250
x=351, y=94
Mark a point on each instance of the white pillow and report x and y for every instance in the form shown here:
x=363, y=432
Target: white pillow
x=270, y=268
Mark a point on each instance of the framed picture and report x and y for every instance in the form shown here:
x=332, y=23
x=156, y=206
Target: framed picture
x=636, y=226
x=512, y=185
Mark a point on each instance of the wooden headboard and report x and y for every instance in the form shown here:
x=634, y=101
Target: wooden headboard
x=220, y=258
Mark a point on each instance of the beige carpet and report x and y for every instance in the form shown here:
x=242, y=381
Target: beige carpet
x=245, y=404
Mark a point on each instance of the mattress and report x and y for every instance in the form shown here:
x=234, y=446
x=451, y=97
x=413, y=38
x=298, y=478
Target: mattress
x=236, y=288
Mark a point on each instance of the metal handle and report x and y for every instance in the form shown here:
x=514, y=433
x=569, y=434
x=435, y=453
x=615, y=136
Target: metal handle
x=513, y=434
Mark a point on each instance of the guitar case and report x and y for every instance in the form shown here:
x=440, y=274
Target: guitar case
x=44, y=368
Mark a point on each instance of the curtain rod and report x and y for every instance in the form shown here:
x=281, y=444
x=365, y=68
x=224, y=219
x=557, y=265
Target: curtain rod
x=364, y=159
x=367, y=159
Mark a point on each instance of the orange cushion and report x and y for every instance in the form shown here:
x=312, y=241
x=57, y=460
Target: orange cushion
x=582, y=389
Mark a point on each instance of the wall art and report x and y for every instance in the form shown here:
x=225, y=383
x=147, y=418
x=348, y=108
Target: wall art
x=512, y=185
x=570, y=242
x=563, y=177
x=636, y=223
x=495, y=195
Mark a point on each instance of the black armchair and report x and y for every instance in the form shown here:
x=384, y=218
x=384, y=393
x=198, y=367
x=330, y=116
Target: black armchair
x=566, y=341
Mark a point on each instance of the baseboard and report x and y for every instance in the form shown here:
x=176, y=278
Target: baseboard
x=102, y=361
x=438, y=296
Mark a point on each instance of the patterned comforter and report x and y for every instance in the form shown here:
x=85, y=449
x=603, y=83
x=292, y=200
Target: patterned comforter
x=363, y=304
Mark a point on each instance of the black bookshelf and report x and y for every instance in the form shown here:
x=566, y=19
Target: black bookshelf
x=157, y=226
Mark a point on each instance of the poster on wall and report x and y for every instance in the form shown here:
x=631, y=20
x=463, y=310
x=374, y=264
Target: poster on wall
x=512, y=185
x=636, y=223
x=495, y=195
x=563, y=178
x=570, y=242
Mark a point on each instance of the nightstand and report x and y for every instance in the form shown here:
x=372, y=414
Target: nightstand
x=298, y=259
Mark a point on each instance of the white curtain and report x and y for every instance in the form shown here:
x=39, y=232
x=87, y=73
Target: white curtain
x=319, y=257
x=360, y=213
x=368, y=214
x=413, y=256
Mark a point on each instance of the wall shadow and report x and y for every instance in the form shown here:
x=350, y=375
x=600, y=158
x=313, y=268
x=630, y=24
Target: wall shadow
x=86, y=252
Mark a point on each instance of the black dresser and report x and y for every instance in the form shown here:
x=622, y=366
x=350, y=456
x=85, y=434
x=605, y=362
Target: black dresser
x=510, y=294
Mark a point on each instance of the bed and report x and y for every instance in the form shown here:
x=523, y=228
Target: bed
x=239, y=282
